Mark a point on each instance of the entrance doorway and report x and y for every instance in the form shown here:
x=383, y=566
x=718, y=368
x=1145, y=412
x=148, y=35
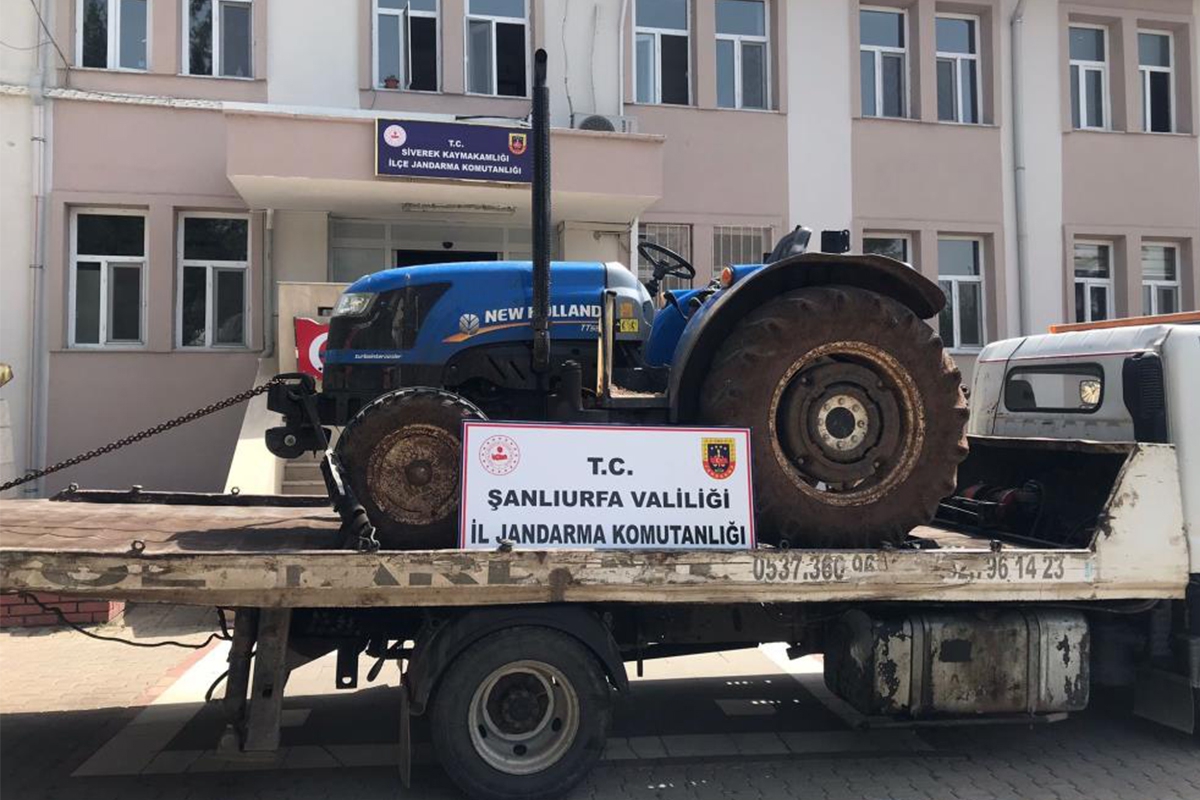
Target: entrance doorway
x=415, y=258
x=359, y=247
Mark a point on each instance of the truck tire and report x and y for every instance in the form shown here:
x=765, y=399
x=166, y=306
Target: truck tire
x=521, y=713
x=402, y=455
x=857, y=416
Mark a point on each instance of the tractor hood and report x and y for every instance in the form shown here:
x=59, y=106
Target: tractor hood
x=424, y=314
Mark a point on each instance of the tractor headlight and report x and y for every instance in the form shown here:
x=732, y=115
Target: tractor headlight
x=353, y=304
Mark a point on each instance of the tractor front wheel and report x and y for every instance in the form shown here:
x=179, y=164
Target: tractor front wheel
x=857, y=416
x=402, y=454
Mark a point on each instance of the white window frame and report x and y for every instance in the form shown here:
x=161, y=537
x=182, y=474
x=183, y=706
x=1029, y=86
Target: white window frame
x=737, y=39
x=905, y=237
x=210, y=267
x=959, y=60
x=1081, y=81
x=658, y=33
x=878, y=50
x=469, y=17
x=1154, y=284
x=954, y=281
x=1144, y=75
x=404, y=15
x=114, y=37
x=217, y=51
x=105, y=263
x=1089, y=283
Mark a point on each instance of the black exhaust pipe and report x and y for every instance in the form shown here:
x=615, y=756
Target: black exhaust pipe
x=541, y=215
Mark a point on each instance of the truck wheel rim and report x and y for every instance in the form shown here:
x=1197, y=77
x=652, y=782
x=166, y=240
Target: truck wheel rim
x=846, y=423
x=523, y=717
x=413, y=474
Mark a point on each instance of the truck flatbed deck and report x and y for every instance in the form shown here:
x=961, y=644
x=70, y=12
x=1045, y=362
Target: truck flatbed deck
x=279, y=557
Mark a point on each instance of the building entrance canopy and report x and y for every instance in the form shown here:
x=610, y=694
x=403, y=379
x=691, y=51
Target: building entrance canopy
x=328, y=164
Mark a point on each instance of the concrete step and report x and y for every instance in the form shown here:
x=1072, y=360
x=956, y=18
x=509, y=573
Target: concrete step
x=302, y=471
x=304, y=487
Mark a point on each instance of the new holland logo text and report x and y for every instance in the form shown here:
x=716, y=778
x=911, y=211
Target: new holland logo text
x=719, y=457
x=495, y=319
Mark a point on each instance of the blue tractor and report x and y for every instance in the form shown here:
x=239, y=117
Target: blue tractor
x=857, y=414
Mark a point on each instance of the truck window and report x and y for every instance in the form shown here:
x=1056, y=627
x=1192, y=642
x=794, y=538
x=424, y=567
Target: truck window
x=1072, y=389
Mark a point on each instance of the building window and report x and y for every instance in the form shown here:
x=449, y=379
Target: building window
x=883, y=62
x=1160, y=279
x=1093, y=281
x=673, y=236
x=496, y=60
x=1089, y=77
x=742, y=61
x=958, y=69
x=213, y=289
x=220, y=37
x=661, y=52
x=108, y=254
x=406, y=44
x=892, y=245
x=740, y=244
x=1156, y=68
x=960, y=274
x=111, y=34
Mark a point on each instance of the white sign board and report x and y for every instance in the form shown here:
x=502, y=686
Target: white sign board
x=589, y=487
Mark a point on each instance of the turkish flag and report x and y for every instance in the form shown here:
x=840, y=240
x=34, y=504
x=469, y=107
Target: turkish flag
x=310, y=345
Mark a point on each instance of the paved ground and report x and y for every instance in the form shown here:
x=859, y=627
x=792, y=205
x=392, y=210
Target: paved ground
x=83, y=719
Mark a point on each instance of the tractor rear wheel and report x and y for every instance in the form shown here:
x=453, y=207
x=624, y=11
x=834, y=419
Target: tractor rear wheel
x=402, y=454
x=857, y=416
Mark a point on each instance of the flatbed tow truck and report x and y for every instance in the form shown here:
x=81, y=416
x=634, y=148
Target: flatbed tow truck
x=517, y=654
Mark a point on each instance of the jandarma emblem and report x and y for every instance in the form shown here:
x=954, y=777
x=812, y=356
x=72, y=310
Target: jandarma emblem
x=516, y=143
x=719, y=457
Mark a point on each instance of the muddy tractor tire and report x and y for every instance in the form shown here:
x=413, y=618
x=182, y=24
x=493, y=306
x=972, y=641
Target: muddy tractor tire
x=857, y=416
x=402, y=455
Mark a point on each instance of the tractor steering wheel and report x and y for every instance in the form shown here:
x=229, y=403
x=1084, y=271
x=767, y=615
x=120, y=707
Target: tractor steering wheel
x=666, y=262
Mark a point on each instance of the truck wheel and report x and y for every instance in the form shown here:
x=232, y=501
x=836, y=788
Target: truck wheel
x=857, y=416
x=402, y=454
x=522, y=713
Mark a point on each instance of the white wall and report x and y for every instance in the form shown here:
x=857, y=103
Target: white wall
x=819, y=114
x=1040, y=127
x=581, y=44
x=301, y=243
x=18, y=67
x=312, y=55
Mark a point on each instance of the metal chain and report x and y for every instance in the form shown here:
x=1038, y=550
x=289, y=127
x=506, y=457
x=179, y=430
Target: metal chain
x=162, y=427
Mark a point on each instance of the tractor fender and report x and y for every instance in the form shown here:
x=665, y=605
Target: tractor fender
x=714, y=321
x=444, y=639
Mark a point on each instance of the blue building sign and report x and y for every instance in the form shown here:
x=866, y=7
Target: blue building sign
x=413, y=149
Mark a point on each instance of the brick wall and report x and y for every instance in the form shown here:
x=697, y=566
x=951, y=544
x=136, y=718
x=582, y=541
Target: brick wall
x=17, y=612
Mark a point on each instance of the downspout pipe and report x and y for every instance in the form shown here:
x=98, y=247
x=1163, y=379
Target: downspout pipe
x=35, y=440
x=621, y=58
x=1016, y=27
x=269, y=322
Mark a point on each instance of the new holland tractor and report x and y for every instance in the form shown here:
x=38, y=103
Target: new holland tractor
x=856, y=413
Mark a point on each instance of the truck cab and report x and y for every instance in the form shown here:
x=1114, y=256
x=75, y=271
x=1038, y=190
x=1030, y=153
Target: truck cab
x=1118, y=381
